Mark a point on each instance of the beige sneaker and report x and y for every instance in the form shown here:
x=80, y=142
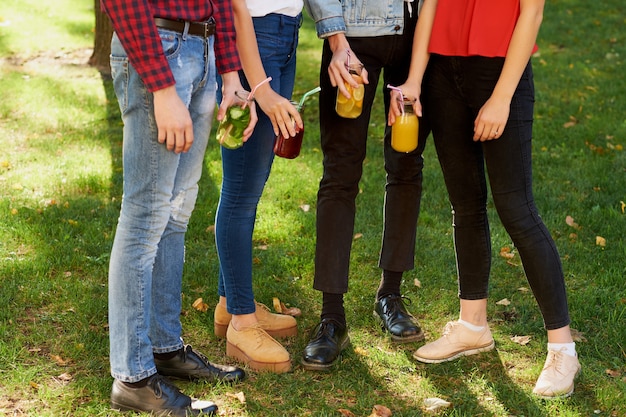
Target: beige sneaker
x=276, y=325
x=254, y=347
x=457, y=341
x=558, y=374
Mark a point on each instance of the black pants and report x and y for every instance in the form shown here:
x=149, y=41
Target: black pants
x=343, y=143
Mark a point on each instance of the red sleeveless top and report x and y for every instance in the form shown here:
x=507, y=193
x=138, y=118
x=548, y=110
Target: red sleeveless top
x=474, y=27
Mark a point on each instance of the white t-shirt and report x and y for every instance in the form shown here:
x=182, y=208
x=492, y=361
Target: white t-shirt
x=260, y=8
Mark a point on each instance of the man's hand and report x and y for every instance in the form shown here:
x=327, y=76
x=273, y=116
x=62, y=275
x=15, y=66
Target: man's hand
x=174, y=124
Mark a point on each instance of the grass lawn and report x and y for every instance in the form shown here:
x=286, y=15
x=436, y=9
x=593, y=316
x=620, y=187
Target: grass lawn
x=61, y=181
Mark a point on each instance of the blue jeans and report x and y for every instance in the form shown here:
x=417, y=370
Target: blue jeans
x=160, y=190
x=246, y=169
x=344, y=143
x=454, y=91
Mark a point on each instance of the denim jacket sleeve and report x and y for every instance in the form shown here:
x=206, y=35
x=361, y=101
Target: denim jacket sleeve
x=328, y=16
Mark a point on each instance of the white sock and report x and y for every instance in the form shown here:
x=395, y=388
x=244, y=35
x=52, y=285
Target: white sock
x=567, y=348
x=471, y=326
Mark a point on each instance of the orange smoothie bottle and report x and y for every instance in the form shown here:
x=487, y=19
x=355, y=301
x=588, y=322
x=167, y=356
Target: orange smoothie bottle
x=404, y=129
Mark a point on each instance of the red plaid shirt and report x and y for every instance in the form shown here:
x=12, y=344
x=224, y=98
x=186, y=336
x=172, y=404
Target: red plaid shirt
x=133, y=21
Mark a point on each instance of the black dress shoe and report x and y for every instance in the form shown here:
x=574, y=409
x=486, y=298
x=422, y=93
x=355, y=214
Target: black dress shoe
x=159, y=397
x=189, y=364
x=328, y=339
x=394, y=319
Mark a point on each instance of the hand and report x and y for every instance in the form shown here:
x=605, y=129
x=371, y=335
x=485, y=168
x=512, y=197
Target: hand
x=491, y=119
x=337, y=70
x=173, y=120
x=279, y=110
x=230, y=85
x=408, y=91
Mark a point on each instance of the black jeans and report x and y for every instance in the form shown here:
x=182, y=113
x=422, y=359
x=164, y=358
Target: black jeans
x=455, y=88
x=343, y=143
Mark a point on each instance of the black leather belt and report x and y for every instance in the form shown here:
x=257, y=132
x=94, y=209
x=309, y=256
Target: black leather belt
x=204, y=29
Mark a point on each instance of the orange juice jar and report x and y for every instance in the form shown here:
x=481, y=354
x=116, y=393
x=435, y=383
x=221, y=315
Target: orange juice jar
x=404, y=130
x=351, y=108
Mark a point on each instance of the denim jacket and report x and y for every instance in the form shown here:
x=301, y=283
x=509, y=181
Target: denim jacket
x=357, y=18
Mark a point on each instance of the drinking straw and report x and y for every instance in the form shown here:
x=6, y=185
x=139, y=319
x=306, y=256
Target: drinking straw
x=307, y=94
x=251, y=95
x=391, y=87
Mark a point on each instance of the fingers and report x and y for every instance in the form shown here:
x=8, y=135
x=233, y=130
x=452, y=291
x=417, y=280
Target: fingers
x=487, y=132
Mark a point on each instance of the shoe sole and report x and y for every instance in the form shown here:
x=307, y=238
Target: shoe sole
x=123, y=408
x=275, y=367
x=220, y=331
x=312, y=366
x=457, y=355
x=399, y=339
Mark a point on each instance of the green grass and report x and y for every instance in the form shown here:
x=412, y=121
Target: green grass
x=60, y=182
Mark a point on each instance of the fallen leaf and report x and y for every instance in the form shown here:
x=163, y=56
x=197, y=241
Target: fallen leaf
x=381, y=411
x=278, y=306
x=569, y=220
x=346, y=413
x=623, y=206
x=435, y=404
x=613, y=373
x=358, y=236
x=360, y=351
x=521, y=340
x=523, y=289
x=290, y=311
x=59, y=360
x=200, y=305
x=503, y=302
x=34, y=385
x=238, y=396
x=506, y=253
x=261, y=247
x=577, y=336
x=210, y=229
x=65, y=377
x=600, y=241
x=572, y=122
x=305, y=208
x=417, y=283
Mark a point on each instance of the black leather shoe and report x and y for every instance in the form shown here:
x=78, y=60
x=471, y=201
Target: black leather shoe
x=394, y=319
x=328, y=339
x=189, y=364
x=159, y=397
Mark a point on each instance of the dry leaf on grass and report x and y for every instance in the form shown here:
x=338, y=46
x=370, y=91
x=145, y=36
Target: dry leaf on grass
x=577, y=336
x=381, y=411
x=417, y=283
x=357, y=236
x=435, y=404
x=281, y=308
x=58, y=360
x=613, y=373
x=569, y=220
x=346, y=413
x=238, y=396
x=503, y=302
x=522, y=340
x=305, y=208
x=506, y=253
x=600, y=241
x=200, y=305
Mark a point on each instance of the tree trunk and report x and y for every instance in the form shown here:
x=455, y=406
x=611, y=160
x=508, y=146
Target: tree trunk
x=102, y=41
